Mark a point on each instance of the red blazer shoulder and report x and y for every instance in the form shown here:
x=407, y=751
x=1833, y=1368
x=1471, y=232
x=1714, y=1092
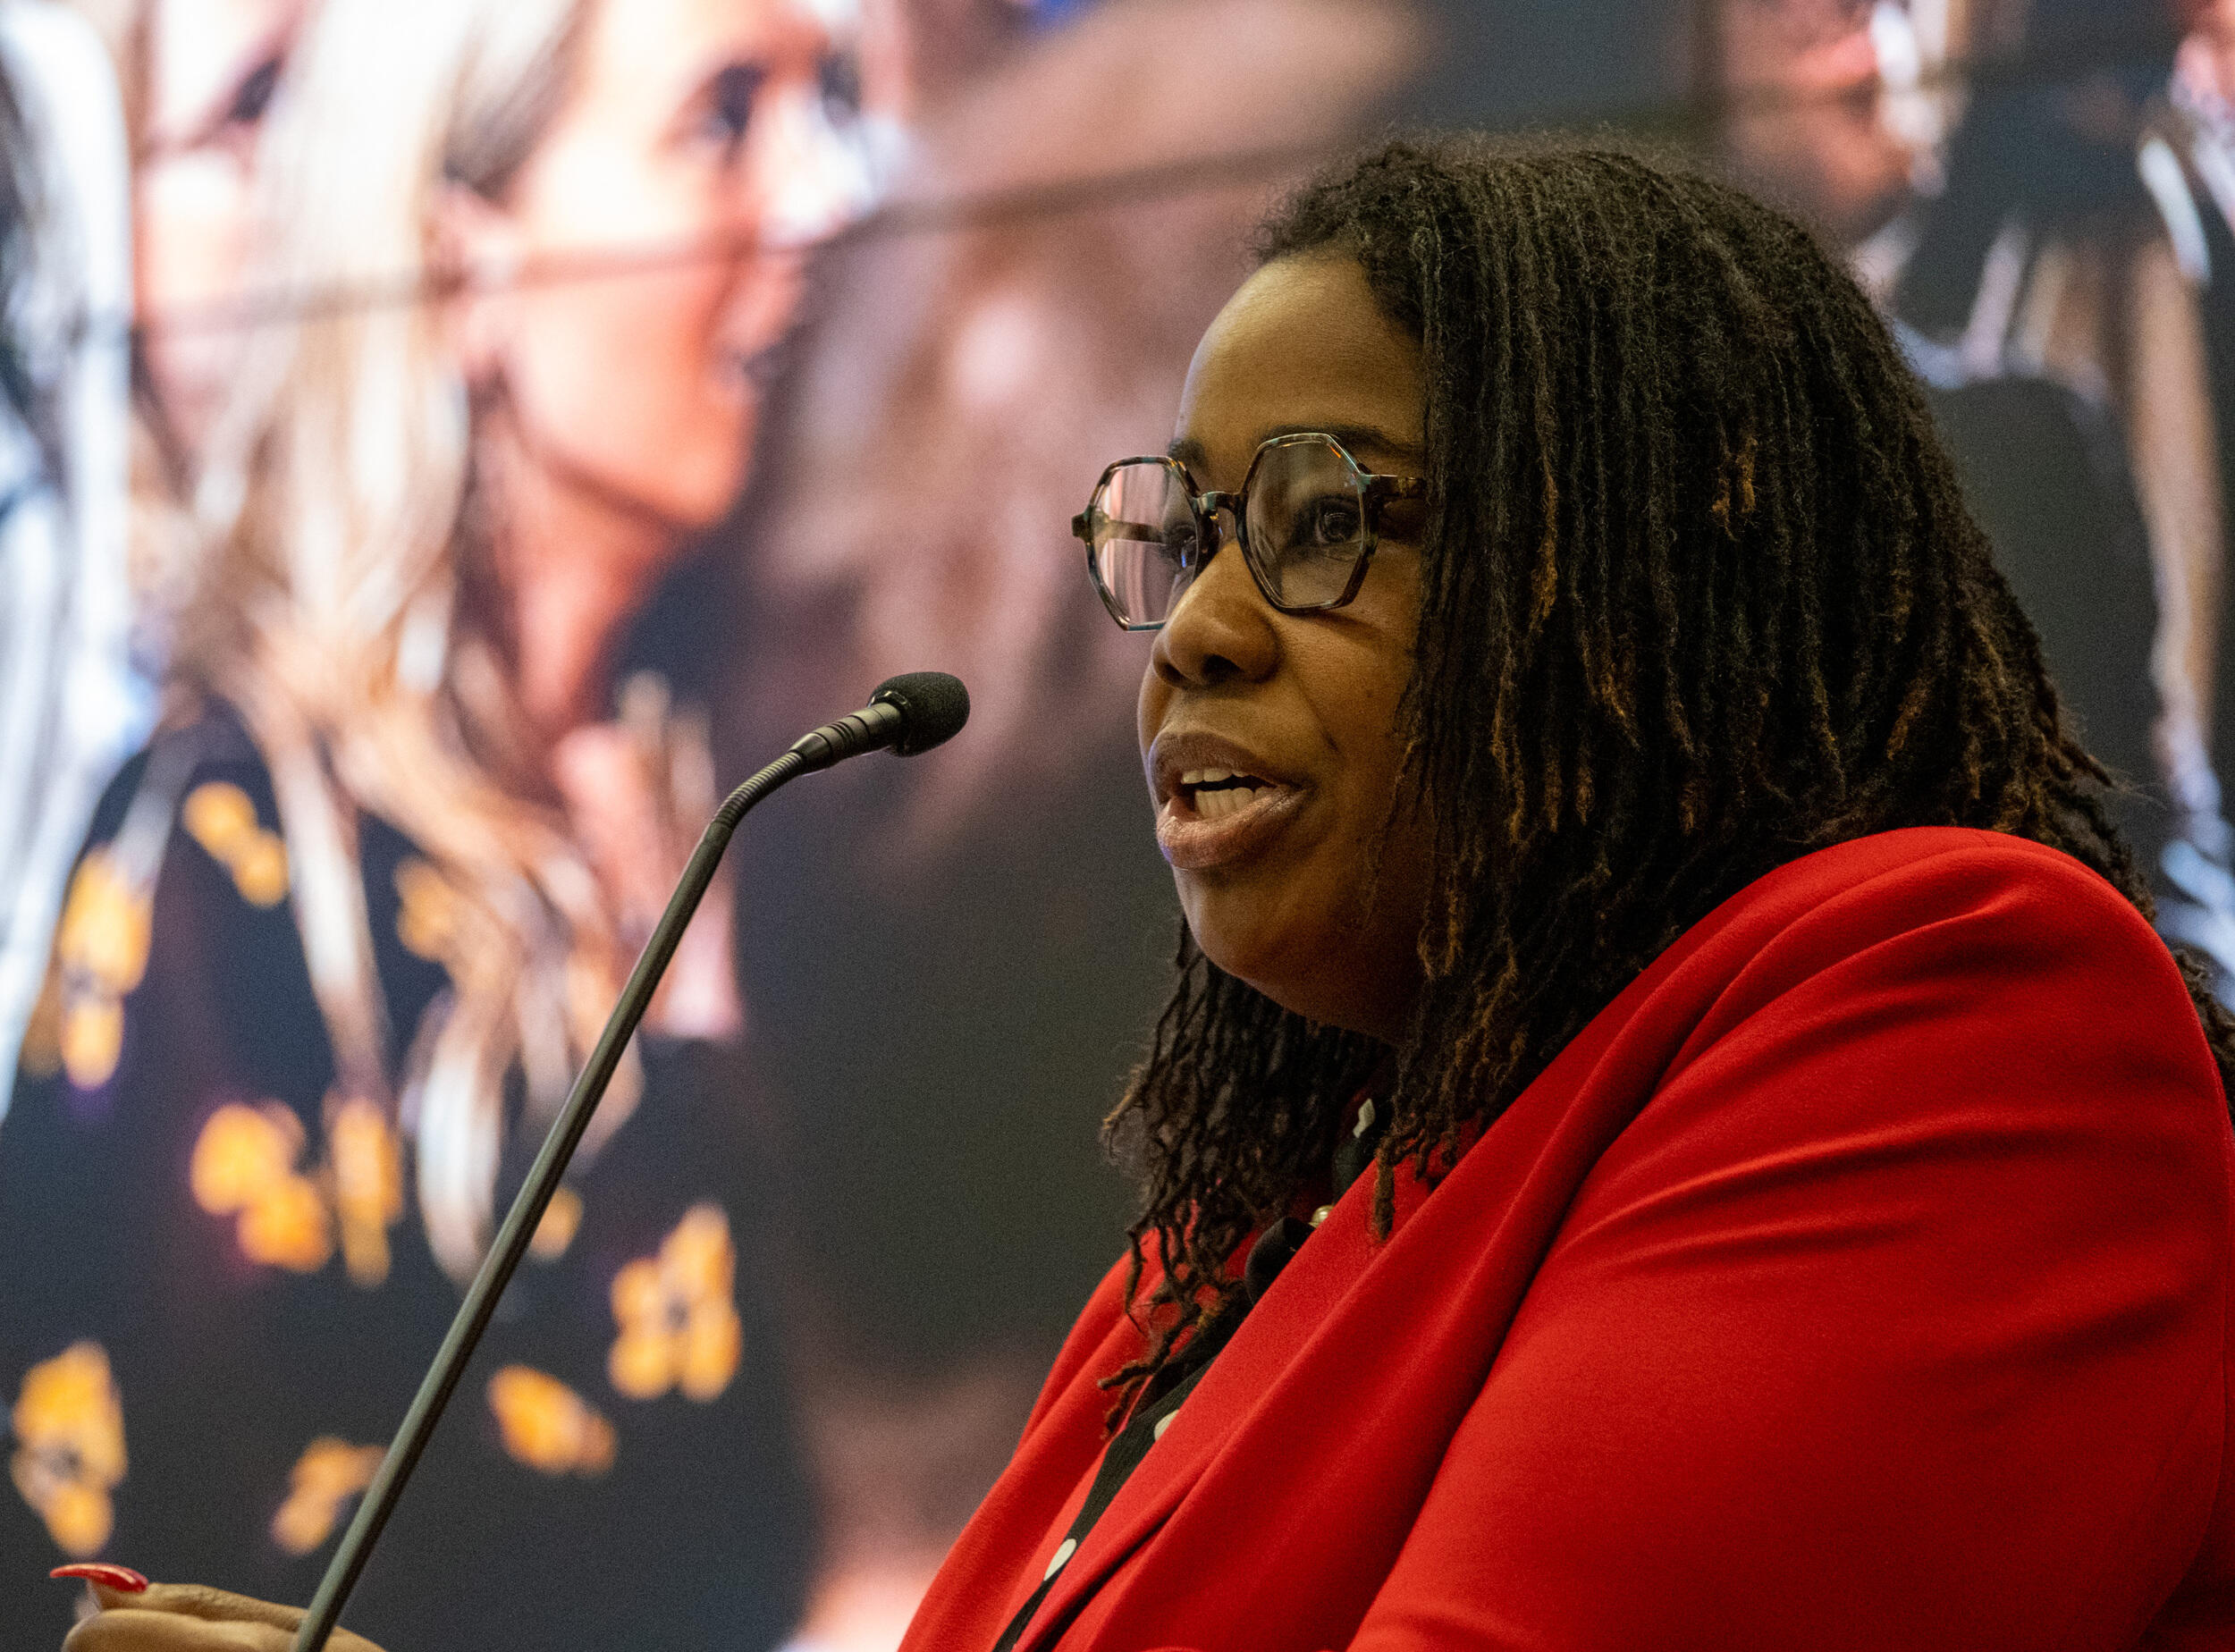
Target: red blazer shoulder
x=1857, y=1279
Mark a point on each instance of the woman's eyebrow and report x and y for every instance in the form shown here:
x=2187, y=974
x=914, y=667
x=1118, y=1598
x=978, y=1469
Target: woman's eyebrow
x=1357, y=438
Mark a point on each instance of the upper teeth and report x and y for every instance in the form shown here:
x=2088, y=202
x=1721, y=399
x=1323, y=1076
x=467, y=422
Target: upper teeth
x=1227, y=798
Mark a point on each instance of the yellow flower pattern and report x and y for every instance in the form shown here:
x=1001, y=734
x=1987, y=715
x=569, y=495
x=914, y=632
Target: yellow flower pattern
x=100, y=954
x=101, y=943
x=367, y=1180
x=547, y=1425
x=243, y=1166
x=221, y=817
x=562, y=1219
x=428, y=910
x=678, y=1314
x=325, y=1477
x=246, y=1163
x=69, y=1424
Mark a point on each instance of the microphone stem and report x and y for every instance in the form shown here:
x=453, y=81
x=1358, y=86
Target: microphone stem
x=518, y=1227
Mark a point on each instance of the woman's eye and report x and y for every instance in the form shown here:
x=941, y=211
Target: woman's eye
x=1325, y=523
x=840, y=76
x=253, y=96
x=730, y=98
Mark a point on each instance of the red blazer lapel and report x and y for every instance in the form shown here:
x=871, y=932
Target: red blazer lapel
x=1296, y=1385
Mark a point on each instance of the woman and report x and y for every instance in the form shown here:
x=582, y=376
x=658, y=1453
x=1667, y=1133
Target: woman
x=1812, y=107
x=71, y=706
x=346, y=929
x=2058, y=262
x=2004, y=232
x=1674, y=1129
x=196, y=76
x=201, y=76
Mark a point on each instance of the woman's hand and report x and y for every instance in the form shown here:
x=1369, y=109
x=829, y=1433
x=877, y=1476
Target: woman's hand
x=187, y=1617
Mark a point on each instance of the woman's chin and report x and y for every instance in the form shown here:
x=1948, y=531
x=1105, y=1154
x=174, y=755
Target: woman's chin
x=691, y=500
x=698, y=490
x=1264, y=957
x=1349, y=976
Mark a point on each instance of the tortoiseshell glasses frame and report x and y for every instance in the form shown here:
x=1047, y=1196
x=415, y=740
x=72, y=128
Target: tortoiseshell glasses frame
x=1307, y=515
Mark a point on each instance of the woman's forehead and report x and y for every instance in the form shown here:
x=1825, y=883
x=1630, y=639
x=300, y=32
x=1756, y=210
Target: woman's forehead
x=1302, y=346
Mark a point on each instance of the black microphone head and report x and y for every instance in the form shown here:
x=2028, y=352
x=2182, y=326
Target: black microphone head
x=933, y=707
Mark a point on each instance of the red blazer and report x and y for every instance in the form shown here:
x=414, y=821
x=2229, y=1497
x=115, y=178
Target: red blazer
x=1858, y=1278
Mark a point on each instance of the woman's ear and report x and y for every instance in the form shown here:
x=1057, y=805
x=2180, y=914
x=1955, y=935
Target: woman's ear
x=477, y=264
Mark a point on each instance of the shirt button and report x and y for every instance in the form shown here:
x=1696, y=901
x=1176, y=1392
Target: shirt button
x=1064, y=1551
x=1162, y=1423
x=1321, y=1214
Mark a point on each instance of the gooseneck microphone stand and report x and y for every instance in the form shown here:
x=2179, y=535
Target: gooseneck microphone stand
x=908, y=714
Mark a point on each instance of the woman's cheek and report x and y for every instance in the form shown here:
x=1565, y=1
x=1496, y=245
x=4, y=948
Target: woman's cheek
x=709, y=404
x=191, y=218
x=628, y=379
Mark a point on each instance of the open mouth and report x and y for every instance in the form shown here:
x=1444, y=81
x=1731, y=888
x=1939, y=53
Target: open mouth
x=1212, y=813
x=1213, y=794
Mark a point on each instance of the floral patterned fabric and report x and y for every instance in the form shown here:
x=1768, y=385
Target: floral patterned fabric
x=219, y=1298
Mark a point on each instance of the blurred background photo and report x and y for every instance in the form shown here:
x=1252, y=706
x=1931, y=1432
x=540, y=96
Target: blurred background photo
x=446, y=443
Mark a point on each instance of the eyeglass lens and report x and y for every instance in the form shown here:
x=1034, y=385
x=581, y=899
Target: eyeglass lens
x=1143, y=540
x=1304, y=512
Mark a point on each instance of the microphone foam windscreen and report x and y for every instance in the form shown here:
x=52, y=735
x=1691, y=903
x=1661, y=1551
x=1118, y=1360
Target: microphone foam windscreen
x=933, y=707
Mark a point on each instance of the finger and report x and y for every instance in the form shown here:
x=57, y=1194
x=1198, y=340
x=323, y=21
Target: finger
x=128, y=1628
x=198, y=1600
x=193, y=1605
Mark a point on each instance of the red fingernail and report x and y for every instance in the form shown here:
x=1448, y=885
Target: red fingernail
x=107, y=1576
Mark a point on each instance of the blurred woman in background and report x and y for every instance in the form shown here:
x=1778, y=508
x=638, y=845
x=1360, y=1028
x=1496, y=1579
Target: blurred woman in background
x=2021, y=236
x=199, y=78
x=71, y=706
x=347, y=926
x=99, y=545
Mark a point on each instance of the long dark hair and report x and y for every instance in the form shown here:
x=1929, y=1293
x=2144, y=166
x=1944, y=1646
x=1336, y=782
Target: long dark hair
x=1699, y=596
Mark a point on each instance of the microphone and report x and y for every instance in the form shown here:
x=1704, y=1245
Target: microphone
x=908, y=714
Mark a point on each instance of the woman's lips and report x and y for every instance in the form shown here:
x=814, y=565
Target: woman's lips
x=1194, y=841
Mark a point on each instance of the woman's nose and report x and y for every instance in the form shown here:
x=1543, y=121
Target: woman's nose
x=1221, y=628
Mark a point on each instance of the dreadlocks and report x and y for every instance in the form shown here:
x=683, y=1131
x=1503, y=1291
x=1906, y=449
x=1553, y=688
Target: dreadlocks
x=1700, y=595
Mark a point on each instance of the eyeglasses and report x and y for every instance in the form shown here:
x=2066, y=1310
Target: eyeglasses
x=1306, y=517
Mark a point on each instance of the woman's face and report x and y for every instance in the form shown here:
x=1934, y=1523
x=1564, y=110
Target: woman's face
x=2213, y=20
x=692, y=128
x=212, y=68
x=1807, y=119
x=1285, y=892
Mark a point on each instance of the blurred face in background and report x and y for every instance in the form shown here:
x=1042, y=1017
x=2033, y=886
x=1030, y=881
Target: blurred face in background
x=1806, y=113
x=2214, y=18
x=211, y=68
x=2207, y=55
x=693, y=132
